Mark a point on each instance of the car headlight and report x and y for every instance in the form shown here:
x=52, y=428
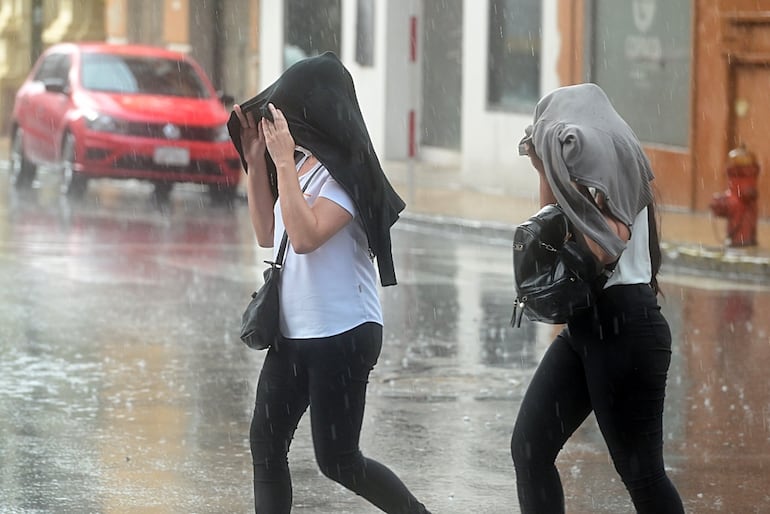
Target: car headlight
x=221, y=134
x=99, y=122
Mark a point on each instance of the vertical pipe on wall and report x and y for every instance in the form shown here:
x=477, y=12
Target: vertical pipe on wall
x=412, y=116
x=693, y=157
x=218, y=45
x=36, y=35
x=413, y=62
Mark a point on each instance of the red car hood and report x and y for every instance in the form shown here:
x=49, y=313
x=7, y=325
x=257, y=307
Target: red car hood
x=159, y=109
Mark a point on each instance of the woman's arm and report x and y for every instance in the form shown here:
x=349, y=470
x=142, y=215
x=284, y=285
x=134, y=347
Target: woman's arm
x=620, y=229
x=546, y=194
x=308, y=227
x=547, y=197
x=258, y=192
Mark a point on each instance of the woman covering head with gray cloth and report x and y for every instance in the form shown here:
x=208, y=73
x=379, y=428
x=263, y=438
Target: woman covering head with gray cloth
x=613, y=359
x=306, y=130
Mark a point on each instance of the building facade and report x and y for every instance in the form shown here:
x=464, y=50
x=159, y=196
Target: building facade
x=454, y=82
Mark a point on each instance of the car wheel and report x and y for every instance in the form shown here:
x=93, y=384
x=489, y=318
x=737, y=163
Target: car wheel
x=162, y=191
x=222, y=194
x=73, y=184
x=23, y=171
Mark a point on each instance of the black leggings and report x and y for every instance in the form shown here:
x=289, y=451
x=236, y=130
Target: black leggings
x=614, y=361
x=329, y=375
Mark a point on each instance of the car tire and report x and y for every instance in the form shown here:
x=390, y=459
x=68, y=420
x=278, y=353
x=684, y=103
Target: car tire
x=221, y=194
x=161, y=192
x=73, y=184
x=22, y=171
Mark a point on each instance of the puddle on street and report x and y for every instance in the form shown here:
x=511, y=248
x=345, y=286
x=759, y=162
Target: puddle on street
x=125, y=388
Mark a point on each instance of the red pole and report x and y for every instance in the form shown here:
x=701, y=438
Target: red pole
x=412, y=127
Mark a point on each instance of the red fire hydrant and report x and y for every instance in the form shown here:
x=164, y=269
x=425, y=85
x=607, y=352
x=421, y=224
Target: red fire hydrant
x=739, y=202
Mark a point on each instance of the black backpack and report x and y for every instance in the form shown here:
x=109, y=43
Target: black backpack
x=555, y=275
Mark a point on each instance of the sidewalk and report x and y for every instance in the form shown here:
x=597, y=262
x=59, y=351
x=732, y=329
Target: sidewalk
x=436, y=195
x=692, y=242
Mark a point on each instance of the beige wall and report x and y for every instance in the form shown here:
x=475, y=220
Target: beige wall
x=61, y=20
x=176, y=29
x=226, y=42
x=115, y=21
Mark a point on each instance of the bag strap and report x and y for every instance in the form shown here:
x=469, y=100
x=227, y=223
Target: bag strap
x=285, y=238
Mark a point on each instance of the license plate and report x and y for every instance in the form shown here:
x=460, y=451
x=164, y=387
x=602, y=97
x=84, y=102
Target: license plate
x=171, y=156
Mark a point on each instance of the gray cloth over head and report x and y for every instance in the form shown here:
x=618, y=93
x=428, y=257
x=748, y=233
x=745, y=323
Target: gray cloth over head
x=580, y=137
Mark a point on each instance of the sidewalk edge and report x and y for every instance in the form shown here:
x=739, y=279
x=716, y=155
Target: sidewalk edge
x=688, y=258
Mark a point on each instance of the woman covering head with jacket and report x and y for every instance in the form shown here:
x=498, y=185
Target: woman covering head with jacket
x=307, y=127
x=612, y=359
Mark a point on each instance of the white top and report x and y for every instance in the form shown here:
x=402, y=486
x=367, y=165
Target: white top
x=635, y=265
x=334, y=288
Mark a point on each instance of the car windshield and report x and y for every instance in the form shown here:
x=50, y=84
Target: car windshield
x=141, y=75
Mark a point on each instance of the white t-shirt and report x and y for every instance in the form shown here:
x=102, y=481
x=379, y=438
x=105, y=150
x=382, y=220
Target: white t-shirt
x=334, y=288
x=635, y=265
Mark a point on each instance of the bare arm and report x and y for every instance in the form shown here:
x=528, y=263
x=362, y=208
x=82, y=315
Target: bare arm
x=546, y=194
x=620, y=229
x=547, y=197
x=308, y=227
x=258, y=192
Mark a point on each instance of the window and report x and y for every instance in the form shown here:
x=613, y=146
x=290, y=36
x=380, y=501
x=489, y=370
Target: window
x=365, y=33
x=312, y=28
x=442, y=84
x=54, y=66
x=514, y=54
x=641, y=57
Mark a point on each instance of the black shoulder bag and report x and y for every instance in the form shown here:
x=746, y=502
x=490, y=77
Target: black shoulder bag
x=260, y=321
x=555, y=275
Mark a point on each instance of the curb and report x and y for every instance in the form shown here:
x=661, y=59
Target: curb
x=489, y=232
x=713, y=262
x=716, y=262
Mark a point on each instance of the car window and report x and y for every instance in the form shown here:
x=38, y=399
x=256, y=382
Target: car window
x=50, y=67
x=141, y=75
x=62, y=69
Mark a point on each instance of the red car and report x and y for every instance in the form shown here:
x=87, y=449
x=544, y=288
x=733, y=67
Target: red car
x=97, y=110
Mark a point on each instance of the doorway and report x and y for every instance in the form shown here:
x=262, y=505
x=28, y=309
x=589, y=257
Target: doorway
x=442, y=74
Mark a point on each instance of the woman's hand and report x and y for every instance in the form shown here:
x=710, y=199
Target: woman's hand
x=252, y=136
x=258, y=190
x=280, y=142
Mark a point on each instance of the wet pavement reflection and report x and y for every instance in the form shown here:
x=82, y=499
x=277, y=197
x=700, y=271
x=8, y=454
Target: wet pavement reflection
x=124, y=387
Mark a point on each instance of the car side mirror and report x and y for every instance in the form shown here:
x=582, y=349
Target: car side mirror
x=56, y=85
x=227, y=100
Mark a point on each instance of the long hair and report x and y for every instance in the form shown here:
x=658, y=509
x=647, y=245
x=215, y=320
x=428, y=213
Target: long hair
x=656, y=255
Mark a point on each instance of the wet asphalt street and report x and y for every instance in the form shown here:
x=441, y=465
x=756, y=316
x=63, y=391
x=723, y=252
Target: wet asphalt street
x=124, y=387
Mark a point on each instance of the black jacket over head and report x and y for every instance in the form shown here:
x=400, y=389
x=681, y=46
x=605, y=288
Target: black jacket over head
x=318, y=99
